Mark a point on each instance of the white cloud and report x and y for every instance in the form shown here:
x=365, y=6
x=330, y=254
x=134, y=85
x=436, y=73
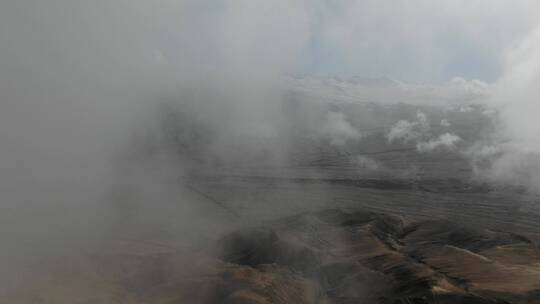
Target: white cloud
x=338, y=130
x=490, y=112
x=466, y=109
x=445, y=123
x=406, y=131
x=365, y=162
x=517, y=166
x=484, y=151
x=444, y=141
x=481, y=157
x=403, y=130
x=516, y=99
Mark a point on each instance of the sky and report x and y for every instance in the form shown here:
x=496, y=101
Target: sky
x=428, y=41
x=416, y=40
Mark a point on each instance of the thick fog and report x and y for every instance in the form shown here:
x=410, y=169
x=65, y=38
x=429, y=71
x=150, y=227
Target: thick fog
x=92, y=93
x=82, y=84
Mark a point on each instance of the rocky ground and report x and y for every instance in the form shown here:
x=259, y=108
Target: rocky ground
x=327, y=256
